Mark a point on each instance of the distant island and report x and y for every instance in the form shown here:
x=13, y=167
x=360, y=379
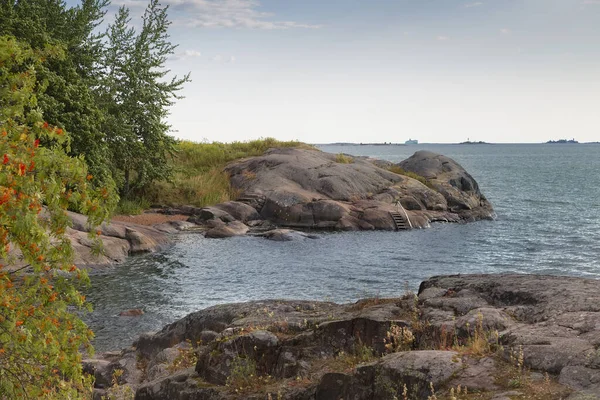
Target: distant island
x=361, y=144
x=469, y=142
x=562, y=141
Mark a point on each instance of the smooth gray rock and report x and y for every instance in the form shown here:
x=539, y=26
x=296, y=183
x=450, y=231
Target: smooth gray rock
x=231, y=229
x=284, y=235
x=310, y=189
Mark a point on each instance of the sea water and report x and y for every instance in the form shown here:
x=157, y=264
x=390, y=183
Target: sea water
x=547, y=200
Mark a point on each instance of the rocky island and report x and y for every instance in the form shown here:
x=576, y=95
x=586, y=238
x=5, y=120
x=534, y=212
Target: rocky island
x=461, y=337
x=310, y=189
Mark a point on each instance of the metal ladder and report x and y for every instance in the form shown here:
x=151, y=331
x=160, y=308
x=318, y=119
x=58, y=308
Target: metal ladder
x=401, y=219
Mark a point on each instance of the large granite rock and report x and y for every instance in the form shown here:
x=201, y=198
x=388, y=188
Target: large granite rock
x=458, y=187
x=310, y=189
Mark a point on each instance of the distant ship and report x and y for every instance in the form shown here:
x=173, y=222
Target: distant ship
x=411, y=141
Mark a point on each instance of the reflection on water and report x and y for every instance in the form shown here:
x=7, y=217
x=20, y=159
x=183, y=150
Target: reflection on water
x=548, y=222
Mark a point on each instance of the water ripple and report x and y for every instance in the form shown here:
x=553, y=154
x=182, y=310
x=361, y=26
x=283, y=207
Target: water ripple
x=546, y=198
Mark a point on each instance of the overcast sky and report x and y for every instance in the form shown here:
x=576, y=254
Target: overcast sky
x=387, y=70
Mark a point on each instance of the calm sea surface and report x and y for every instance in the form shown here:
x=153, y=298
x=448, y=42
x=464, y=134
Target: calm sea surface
x=547, y=198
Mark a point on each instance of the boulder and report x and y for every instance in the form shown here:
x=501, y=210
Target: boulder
x=134, y=312
x=240, y=211
x=418, y=370
x=458, y=187
x=139, y=243
x=284, y=235
x=119, y=240
x=235, y=228
x=208, y=213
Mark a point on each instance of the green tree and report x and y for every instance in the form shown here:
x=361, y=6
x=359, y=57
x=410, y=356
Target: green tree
x=141, y=93
x=69, y=101
x=40, y=335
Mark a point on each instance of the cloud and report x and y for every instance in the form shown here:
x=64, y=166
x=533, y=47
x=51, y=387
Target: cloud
x=476, y=4
x=184, y=55
x=442, y=38
x=222, y=14
x=588, y=2
x=224, y=59
x=504, y=31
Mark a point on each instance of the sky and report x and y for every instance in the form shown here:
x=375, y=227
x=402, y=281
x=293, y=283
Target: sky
x=438, y=71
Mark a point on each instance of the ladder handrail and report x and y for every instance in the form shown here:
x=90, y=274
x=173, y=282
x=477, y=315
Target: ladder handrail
x=398, y=204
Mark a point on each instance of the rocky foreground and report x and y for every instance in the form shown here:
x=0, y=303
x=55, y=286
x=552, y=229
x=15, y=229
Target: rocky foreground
x=462, y=337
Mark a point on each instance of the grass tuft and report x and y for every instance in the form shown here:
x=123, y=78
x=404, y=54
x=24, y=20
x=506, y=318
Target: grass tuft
x=131, y=207
x=401, y=171
x=343, y=159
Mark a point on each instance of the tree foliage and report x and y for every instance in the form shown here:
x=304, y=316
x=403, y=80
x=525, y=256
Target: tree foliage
x=69, y=100
x=111, y=90
x=138, y=94
x=40, y=335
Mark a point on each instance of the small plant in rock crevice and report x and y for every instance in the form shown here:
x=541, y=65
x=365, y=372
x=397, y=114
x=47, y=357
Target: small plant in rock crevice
x=480, y=341
x=398, y=338
x=119, y=391
x=187, y=357
x=244, y=377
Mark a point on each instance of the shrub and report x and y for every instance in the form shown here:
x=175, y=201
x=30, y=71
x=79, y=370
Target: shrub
x=40, y=335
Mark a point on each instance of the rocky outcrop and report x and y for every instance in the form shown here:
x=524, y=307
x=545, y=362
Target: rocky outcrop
x=119, y=240
x=309, y=189
x=504, y=336
x=458, y=187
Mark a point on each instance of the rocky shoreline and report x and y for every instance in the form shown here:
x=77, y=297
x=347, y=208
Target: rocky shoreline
x=493, y=336
x=288, y=191
x=298, y=189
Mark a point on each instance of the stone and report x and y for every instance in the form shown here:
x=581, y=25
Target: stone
x=139, y=242
x=230, y=229
x=418, y=369
x=134, y=312
x=284, y=235
x=240, y=211
x=551, y=320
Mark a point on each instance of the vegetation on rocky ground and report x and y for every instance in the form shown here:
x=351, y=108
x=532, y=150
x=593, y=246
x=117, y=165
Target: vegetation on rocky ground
x=401, y=171
x=411, y=334
x=198, y=177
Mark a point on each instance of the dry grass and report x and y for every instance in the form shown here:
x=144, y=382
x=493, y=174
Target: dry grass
x=400, y=171
x=198, y=177
x=479, y=342
x=343, y=159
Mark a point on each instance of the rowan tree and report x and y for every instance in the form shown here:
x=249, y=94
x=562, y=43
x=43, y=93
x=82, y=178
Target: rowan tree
x=41, y=334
